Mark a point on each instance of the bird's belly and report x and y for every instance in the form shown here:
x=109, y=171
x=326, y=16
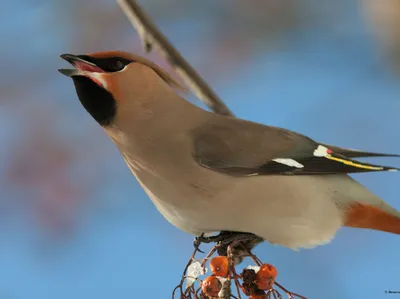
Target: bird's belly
x=175, y=215
x=184, y=216
x=293, y=211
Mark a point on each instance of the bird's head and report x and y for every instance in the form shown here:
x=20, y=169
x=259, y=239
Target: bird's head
x=111, y=84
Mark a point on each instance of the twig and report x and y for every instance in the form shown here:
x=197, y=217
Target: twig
x=185, y=271
x=210, y=253
x=289, y=293
x=253, y=257
x=151, y=37
x=233, y=270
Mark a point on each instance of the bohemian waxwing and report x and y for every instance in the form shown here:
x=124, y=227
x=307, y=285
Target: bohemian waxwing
x=206, y=172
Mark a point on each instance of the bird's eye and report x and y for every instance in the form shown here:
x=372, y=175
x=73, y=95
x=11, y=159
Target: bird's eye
x=116, y=65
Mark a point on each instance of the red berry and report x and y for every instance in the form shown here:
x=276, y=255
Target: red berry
x=211, y=286
x=265, y=277
x=219, y=266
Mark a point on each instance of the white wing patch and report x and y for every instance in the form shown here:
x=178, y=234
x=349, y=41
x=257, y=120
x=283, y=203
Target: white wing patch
x=288, y=162
x=321, y=151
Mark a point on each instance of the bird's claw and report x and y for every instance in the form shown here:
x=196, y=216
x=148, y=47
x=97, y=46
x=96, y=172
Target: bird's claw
x=202, y=239
x=226, y=238
x=196, y=243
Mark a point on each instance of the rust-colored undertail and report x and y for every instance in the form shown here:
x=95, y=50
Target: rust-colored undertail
x=367, y=216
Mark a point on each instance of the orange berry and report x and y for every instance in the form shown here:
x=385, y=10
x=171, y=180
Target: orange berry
x=265, y=277
x=268, y=268
x=211, y=286
x=219, y=266
x=265, y=284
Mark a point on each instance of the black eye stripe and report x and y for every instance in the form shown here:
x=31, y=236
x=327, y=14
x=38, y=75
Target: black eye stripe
x=109, y=64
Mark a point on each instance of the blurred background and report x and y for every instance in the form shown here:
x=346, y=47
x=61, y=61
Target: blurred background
x=74, y=222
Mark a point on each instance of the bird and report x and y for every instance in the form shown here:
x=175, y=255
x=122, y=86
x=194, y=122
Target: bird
x=207, y=172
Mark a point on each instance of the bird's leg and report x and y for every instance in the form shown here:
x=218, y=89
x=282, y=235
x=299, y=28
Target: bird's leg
x=226, y=238
x=241, y=243
x=202, y=239
x=235, y=238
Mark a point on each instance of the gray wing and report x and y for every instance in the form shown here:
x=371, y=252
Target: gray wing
x=242, y=148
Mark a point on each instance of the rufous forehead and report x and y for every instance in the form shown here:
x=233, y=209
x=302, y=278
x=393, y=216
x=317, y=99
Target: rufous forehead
x=106, y=54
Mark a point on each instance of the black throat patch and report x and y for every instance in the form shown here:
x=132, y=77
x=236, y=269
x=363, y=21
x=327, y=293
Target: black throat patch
x=100, y=103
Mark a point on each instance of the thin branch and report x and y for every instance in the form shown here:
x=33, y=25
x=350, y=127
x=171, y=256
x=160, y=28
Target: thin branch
x=152, y=38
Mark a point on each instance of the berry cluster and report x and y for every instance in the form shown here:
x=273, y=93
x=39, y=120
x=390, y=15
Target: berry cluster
x=258, y=284
x=212, y=285
x=254, y=282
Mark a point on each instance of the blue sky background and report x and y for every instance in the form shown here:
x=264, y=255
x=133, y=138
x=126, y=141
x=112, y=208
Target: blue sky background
x=74, y=223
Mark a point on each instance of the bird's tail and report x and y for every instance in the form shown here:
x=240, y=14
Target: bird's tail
x=380, y=217
x=364, y=209
x=353, y=153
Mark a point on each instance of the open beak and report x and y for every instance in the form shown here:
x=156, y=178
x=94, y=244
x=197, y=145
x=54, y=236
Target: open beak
x=81, y=65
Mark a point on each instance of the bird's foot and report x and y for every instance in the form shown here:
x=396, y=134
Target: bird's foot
x=226, y=238
x=241, y=243
x=207, y=240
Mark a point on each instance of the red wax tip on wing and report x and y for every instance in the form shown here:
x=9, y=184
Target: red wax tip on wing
x=367, y=216
x=329, y=151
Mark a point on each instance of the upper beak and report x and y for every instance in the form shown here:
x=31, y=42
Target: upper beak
x=80, y=65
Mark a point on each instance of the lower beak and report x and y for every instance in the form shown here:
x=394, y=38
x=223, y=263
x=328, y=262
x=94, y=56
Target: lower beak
x=70, y=72
x=80, y=65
